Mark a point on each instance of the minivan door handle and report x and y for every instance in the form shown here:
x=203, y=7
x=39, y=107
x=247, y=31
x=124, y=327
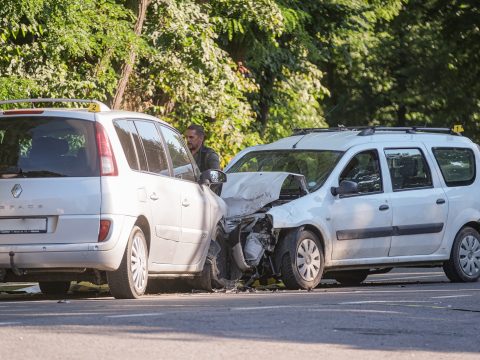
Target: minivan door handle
x=440, y=201
x=154, y=196
x=383, y=207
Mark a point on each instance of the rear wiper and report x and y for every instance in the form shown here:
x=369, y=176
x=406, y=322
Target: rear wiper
x=41, y=173
x=12, y=172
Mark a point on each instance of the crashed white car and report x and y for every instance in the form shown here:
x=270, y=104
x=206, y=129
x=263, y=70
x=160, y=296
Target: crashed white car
x=344, y=203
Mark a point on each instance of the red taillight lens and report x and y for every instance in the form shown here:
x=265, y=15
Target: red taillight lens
x=104, y=229
x=108, y=165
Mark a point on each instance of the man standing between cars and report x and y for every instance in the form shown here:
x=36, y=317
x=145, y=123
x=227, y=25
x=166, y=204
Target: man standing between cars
x=205, y=157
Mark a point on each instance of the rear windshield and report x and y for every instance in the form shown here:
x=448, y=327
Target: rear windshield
x=314, y=165
x=47, y=147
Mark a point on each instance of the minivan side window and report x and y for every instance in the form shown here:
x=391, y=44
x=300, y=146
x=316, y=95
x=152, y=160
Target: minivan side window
x=182, y=165
x=364, y=169
x=152, y=144
x=124, y=131
x=408, y=169
x=456, y=164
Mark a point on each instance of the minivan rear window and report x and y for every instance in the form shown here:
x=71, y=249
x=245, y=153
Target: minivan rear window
x=33, y=147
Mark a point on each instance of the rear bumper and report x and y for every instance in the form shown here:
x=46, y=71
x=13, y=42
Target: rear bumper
x=101, y=256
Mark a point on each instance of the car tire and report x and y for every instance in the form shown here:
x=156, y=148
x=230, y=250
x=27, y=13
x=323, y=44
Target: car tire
x=302, y=262
x=129, y=281
x=464, y=262
x=214, y=273
x=54, y=287
x=350, y=277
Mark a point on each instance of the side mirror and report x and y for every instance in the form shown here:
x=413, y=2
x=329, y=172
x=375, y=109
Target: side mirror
x=346, y=188
x=209, y=177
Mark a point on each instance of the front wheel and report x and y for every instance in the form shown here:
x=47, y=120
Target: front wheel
x=464, y=262
x=129, y=281
x=302, y=261
x=214, y=273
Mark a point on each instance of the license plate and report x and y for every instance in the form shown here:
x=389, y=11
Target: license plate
x=23, y=226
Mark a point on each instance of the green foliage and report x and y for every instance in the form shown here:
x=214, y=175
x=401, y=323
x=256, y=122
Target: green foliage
x=53, y=48
x=250, y=71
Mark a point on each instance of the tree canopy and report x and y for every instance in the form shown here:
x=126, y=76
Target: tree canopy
x=250, y=71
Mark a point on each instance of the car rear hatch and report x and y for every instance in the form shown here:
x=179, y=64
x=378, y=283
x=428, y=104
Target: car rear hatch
x=50, y=189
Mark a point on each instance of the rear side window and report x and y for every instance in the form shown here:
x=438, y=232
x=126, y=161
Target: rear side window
x=47, y=147
x=125, y=132
x=408, y=169
x=182, y=165
x=152, y=144
x=456, y=164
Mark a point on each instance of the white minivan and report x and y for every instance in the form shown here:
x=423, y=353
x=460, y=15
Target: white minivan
x=100, y=195
x=345, y=203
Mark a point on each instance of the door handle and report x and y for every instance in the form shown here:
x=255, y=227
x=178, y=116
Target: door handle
x=383, y=207
x=185, y=202
x=154, y=196
x=440, y=201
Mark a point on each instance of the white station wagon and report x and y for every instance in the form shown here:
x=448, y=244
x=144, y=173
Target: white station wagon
x=344, y=203
x=100, y=195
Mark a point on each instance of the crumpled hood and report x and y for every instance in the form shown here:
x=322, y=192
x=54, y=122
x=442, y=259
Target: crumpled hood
x=247, y=192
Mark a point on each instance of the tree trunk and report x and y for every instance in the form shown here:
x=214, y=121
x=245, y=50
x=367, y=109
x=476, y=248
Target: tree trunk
x=128, y=66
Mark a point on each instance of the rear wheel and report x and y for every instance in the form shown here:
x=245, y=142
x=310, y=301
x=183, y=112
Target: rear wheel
x=54, y=287
x=303, y=261
x=129, y=281
x=351, y=277
x=464, y=262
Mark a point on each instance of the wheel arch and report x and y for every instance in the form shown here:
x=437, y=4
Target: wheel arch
x=144, y=225
x=472, y=224
x=318, y=233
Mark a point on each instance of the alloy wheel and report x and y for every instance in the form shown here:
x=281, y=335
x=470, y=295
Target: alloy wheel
x=138, y=263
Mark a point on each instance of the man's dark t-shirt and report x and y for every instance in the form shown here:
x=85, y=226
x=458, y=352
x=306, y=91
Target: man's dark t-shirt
x=207, y=158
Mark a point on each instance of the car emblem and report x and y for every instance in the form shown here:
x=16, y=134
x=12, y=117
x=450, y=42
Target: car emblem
x=16, y=190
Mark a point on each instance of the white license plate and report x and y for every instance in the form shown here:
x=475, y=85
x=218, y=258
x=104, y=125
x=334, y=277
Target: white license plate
x=23, y=226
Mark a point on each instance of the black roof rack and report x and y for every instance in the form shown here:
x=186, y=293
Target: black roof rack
x=407, y=129
x=304, y=131
x=371, y=130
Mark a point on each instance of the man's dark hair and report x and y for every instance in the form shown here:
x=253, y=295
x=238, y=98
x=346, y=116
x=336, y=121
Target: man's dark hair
x=198, y=129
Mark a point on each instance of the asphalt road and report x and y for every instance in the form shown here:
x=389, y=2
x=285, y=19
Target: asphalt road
x=405, y=314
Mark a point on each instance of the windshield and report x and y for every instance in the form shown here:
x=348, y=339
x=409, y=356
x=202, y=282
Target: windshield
x=47, y=147
x=314, y=165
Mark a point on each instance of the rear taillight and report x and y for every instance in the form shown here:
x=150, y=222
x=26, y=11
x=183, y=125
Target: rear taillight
x=104, y=229
x=108, y=165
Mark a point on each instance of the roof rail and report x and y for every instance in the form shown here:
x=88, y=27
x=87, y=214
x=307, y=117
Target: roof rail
x=407, y=129
x=97, y=105
x=371, y=130
x=304, y=131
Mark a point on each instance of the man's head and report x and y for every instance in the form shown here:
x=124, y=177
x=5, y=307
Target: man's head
x=195, y=135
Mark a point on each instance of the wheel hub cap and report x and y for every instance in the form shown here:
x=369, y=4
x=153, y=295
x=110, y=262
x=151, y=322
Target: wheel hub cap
x=470, y=255
x=308, y=260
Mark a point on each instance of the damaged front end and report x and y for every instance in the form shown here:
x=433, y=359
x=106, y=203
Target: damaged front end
x=249, y=226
